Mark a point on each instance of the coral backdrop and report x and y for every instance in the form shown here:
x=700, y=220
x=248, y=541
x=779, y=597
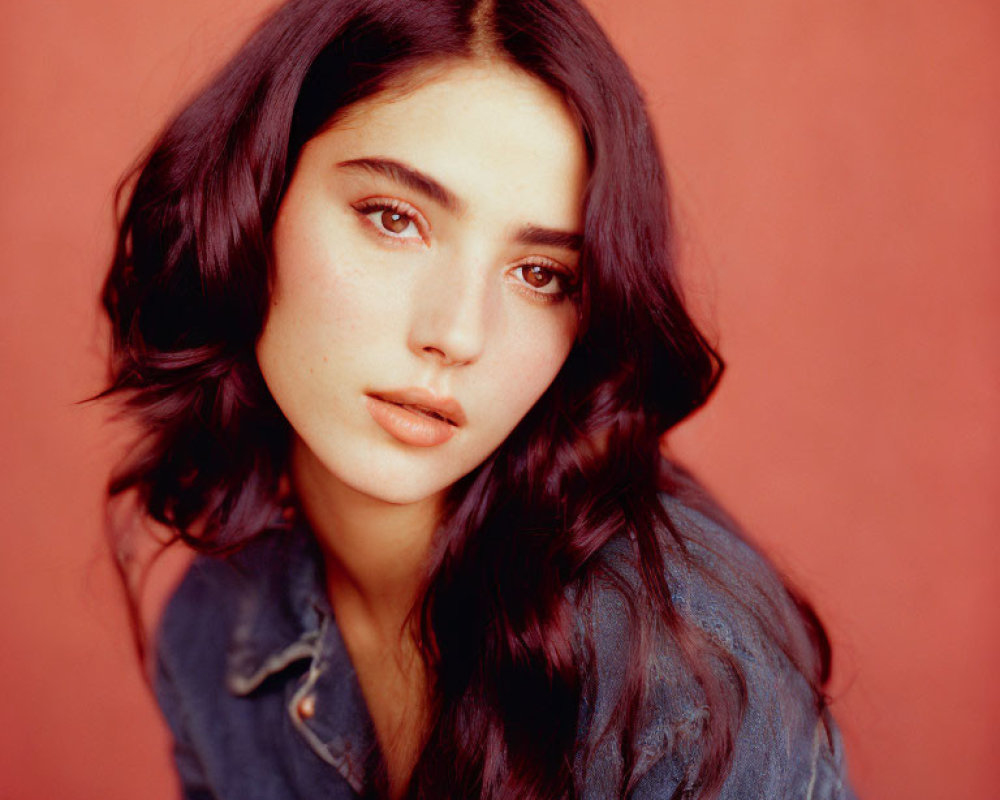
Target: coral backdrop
x=836, y=168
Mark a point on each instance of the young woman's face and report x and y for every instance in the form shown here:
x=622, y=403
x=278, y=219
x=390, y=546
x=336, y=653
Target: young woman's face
x=425, y=260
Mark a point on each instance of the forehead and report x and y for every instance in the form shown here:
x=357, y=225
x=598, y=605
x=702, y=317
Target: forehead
x=483, y=129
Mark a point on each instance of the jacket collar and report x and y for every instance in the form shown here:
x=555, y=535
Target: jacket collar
x=281, y=605
x=283, y=616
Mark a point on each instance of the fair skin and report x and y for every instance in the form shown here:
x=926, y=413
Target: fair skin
x=425, y=255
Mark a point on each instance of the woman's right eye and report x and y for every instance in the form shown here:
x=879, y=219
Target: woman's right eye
x=392, y=219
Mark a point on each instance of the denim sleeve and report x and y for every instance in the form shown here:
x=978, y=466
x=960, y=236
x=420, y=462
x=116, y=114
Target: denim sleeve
x=786, y=748
x=781, y=753
x=194, y=783
x=788, y=744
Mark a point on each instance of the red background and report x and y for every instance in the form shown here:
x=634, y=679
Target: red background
x=836, y=168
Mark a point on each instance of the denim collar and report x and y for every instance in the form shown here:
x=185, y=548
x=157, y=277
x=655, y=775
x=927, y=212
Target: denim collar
x=281, y=605
x=283, y=617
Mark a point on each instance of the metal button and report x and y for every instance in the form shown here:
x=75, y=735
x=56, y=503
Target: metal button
x=306, y=707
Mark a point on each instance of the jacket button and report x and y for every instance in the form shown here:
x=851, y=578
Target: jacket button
x=306, y=707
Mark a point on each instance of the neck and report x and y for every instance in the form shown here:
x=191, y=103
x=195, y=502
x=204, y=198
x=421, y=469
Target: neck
x=375, y=551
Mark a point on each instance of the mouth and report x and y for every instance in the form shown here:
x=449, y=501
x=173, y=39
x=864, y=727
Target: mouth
x=422, y=401
x=415, y=417
x=425, y=411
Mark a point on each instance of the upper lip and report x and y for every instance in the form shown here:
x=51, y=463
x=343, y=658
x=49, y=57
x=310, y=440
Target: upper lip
x=425, y=400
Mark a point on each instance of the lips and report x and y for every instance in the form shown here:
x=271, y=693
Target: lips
x=423, y=401
x=415, y=417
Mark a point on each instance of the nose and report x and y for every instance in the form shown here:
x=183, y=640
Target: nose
x=452, y=312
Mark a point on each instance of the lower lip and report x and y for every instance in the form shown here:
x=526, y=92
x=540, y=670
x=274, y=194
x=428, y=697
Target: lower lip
x=409, y=427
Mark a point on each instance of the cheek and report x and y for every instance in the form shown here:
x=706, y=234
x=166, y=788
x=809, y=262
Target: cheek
x=326, y=324
x=325, y=300
x=532, y=358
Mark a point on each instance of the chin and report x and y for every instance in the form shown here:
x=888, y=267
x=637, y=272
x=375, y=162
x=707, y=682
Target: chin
x=403, y=493
x=382, y=471
x=394, y=481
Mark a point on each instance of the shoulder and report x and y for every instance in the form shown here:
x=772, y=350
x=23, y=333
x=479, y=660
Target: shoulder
x=189, y=663
x=229, y=614
x=723, y=584
x=204, y=608
x=717, y=581
x=193, y=636
x=737, y=617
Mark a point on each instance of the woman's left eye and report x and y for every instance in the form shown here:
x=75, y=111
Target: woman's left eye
x=543, y=279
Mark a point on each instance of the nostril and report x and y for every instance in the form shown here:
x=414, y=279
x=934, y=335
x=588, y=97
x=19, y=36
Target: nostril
x=440, y=355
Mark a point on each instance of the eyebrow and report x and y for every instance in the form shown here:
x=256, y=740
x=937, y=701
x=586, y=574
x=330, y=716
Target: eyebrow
x=432, y=189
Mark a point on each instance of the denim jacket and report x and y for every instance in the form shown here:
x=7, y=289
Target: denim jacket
x=257, y=686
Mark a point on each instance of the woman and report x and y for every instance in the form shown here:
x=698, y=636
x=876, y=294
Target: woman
x=393, y=303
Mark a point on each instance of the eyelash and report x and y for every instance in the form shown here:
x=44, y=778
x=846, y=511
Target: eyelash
x=563, y=278
x=379, y=205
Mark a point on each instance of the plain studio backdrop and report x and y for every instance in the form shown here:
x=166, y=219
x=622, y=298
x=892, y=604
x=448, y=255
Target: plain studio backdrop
x=836, y=172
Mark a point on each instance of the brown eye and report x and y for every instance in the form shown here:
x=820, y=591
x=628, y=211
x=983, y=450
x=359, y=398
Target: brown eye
x=394, y=222
x=393, y=219
x=536, y=276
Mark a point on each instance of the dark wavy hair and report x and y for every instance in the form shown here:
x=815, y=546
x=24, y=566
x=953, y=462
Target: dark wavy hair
x=523, y=534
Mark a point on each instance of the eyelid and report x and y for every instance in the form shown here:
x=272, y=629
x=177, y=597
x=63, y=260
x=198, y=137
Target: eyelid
x=372, y=204
x=568, y=275
x=567, y=278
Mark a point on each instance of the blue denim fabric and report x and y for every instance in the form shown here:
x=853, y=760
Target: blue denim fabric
x=256, y=684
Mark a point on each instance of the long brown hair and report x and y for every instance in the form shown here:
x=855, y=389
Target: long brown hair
x=523, y=540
